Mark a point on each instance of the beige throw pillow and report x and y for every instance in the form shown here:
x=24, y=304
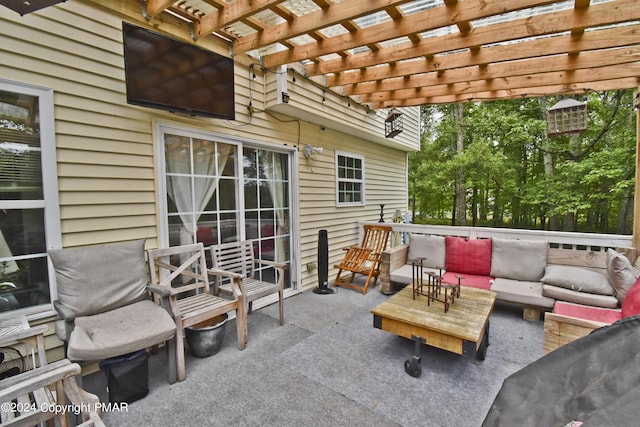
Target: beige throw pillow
x=620, y=273
x=427, y=246
x=519, y=259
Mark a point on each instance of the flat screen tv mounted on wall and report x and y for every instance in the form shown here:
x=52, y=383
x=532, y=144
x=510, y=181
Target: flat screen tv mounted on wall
x=171, y=75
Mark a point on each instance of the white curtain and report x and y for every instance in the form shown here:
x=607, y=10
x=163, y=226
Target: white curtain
x=191, y=177
x=275, y=174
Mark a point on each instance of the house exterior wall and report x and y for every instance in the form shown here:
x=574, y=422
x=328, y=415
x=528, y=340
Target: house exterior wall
x=105, y=149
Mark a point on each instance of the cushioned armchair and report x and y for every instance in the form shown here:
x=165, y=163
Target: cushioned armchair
x=104, y=301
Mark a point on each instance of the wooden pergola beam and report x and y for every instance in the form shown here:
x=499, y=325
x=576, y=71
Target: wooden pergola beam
x=229, y=13
x=503, y=70
x=549, y=90
x=514, y=84
x=636, y=204
x=541, y=25
x=418, y=22
x=511, y=56
x=156, y=7
x=331, y=15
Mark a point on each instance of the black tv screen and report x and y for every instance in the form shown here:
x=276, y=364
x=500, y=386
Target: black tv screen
x=171, y=75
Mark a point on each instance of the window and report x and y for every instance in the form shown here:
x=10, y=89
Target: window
x=350, y=179
x=29, y=212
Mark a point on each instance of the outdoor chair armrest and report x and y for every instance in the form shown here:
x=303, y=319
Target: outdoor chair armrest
x=275, y=264
x=87, y=402
x=346, y=248
x=236, y=280
x=64, y=312
x=224, y=273
x=162, y=291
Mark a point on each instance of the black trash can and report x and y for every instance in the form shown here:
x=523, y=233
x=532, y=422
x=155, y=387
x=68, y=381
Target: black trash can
x=127, y=376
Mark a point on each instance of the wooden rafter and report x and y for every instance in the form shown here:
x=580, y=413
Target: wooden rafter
x=230, y=13
x=593, y=41
x=530, y=68
x=312, y=22
x=578, y=77
x=416, y=23
x=549, y=90
x=520, y=29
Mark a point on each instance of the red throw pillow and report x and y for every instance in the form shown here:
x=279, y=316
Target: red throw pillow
x=471, y=256
x=631, y=302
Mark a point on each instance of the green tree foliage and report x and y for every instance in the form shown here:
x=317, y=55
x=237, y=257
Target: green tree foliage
x=517, y=176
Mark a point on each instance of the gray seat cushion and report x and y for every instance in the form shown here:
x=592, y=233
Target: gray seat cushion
x=564, y=294
x=519, y=259
x=120, y=331
x=521, y=292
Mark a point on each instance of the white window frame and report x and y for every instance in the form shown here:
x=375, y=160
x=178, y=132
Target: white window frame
x=50, y=203
x=339, y=180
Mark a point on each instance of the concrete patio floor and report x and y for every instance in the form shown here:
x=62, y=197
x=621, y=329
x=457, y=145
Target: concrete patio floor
x=328, y=366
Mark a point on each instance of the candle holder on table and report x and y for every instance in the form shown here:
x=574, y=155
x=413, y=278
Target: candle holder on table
x=430, y=284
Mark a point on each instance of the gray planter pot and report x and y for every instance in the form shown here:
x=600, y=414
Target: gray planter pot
x=205, y=339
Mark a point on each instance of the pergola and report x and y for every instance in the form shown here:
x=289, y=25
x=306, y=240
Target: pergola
x=405, y=53
x=400, y=53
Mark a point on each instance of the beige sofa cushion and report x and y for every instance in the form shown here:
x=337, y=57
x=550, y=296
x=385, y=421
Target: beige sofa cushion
x=564, y=294
x=519, y=259
x=620, y=273
x=120, y=331
x=404, y=274
x=521, y=292
x=427, y=246
x=95, y=279
x=577, y=279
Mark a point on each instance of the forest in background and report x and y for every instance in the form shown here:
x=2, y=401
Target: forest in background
x=492, y=164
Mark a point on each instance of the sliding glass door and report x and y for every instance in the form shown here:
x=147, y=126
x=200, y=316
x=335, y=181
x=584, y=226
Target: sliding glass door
x=218, y=190
x=266, y=203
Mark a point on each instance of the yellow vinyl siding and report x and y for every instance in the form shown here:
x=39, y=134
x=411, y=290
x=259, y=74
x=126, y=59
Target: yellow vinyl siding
x=385, y=180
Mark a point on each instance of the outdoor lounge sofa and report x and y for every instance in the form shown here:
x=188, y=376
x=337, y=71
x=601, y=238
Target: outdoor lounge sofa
x=524, y=272
x=569, y=321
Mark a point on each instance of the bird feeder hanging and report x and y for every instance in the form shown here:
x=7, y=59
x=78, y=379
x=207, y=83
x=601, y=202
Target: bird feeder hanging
x=568, y=116
x=393, y=123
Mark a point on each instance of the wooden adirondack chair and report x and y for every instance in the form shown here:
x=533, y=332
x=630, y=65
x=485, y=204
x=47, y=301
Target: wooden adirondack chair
x=364, y=259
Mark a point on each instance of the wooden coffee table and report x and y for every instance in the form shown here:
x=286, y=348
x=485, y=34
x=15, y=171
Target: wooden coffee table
x=464, y=329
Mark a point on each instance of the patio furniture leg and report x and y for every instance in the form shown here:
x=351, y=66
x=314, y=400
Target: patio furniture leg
x=241, y=325
x=173, y=360
x=281, y=304
x=179, y=346
x=482, y=350
x=413, y=366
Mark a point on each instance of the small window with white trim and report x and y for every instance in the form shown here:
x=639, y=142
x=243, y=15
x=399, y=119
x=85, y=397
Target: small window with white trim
x=349, y=179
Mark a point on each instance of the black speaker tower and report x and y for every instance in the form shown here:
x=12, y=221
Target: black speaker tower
x=323, y=264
